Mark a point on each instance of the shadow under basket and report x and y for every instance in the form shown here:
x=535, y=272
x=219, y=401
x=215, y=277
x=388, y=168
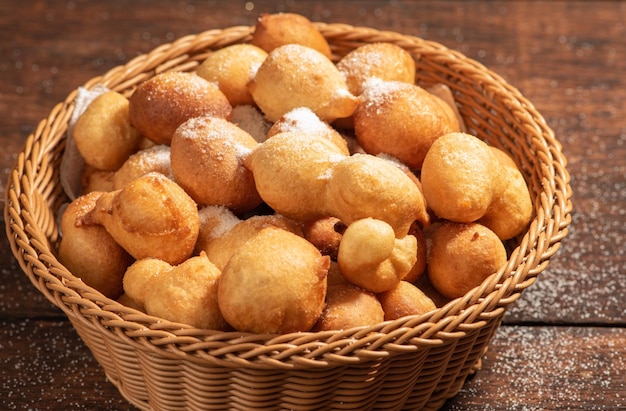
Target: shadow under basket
x=415, y=362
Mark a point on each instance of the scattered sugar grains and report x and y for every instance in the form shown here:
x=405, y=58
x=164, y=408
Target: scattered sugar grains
x=31, y=372
x=591, y=380
x=589, y=260
x=225, y=219
x=251, y=120
x=304, y=119
x=376, y=91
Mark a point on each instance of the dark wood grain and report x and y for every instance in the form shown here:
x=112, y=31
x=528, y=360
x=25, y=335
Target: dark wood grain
x=45, y=366
x=562, y=344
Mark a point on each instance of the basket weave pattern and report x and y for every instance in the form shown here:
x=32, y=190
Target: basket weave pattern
x=415, y=362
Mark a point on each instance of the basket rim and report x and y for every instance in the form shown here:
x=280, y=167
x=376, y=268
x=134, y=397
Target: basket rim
x=31, y=244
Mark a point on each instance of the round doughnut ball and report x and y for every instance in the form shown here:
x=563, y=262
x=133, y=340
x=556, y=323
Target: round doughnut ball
x=511, y=211
x=148, y=217
x=371, y=257
x=402, y=120
x=349, y=306
x=93, y=179
x=162, y=103
x=461, y=256
x=294, y=76
x=137, y=277
x=153, y=159
x=187, y=293
x=215, y=221
x=275, y=283
x=89, y=252
x=385, y=61
x=207, y=161
x=275, y=30
x=232, y=68
x=335, y=276
x=405, y=299
x=461, y=177
x=220, y=249
x=103, y=134
x=302, y=119
x=419, y=268
x=291, y=172
x=364, y=186
x=325, y=234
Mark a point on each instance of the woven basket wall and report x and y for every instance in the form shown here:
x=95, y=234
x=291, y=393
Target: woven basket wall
x=410, y=363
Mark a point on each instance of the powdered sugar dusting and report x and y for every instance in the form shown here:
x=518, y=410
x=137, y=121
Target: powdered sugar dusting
x=377, y=92
x=221, y=219
x=225, y=133
x=254, y=67
x=302, y=119
x=326, y=175
x=242, y=151
x=393, y=160
x=153, y=156
x=251, y=120
x=342, y=93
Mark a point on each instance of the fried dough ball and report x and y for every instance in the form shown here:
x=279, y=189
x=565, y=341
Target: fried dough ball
x=215, y=221
x=444, y=92
x=511, y=211
x=291, y=171
x=146, y=143
x=250, y=119
x=103, y=134
x=424, y=284
x=461, y=256
x=153, y=159
x=306, y=177
x=366, y=186
x=461, y=177
x=221, y=248
x=303, y=119
x=163, y=102
x=96, y=180
x=419, y=268
x=349, y=306
x=335, y=276
x=402, y=120
x=187, y=293
x=274, y=283
x=405, y=299
x=232, y=68
x=89, y=252
x=371, y=257
x=385, y=61
x=137, y=277
x=150, y=217
x=294, y=76
x=206, y=156
x=275, y=30
x=325, y=234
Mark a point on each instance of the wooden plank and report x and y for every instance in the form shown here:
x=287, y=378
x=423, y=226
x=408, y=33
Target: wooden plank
x=549, y=368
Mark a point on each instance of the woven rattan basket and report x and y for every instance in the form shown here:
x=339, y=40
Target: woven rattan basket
x=410, y=363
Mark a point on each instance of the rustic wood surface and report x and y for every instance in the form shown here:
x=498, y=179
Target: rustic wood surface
x=563, y=343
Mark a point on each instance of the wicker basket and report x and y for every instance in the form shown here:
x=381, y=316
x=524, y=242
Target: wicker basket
x=415, y=362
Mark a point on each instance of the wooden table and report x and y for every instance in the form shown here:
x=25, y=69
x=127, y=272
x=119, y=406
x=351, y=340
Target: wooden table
x=562, y=345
